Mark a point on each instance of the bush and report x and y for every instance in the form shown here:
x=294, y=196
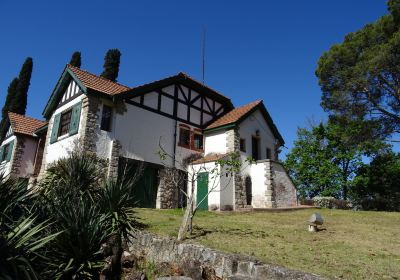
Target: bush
x=331, y=202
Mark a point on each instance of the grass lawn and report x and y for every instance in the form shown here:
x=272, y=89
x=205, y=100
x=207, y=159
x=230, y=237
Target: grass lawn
x=355, y=245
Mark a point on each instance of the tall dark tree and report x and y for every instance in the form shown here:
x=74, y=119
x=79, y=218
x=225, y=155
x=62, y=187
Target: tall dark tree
x=76, y=59
x=11, y=93
x=18, y=104
x=361, y=76
x=111, y=64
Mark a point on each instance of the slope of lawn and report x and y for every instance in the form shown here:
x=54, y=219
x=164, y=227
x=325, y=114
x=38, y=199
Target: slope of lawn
x=353, y=245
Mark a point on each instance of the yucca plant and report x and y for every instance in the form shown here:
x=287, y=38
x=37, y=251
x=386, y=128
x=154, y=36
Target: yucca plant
x=21, y=235
x=117, y=201
x=77, y=250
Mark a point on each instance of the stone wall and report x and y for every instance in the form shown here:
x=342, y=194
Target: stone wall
x=284, y=189
x=169, y=195
x=225, y=266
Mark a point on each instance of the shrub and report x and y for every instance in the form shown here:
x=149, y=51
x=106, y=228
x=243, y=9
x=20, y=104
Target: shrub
x=331, y=202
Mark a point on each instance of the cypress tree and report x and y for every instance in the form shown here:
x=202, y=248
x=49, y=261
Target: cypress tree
x=76, y=59
x=111, y=64
x=11, y=92
x=18, y=104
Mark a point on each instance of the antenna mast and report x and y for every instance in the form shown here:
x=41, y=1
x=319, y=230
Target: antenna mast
x=203, y=54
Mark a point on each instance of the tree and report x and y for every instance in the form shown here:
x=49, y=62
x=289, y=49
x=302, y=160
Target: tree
x=11, y=92
x=361, y=76
x=325, y=158
x=76, y=59
x=111, y=64
x=18, y=104
x=377, y=185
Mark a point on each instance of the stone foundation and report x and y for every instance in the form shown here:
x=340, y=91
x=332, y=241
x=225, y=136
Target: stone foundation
x=223, y=265
x=113, y=162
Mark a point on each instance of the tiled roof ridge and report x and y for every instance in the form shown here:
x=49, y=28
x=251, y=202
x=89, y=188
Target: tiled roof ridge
x=27, y=117
x=234, y=115
x=96, y=76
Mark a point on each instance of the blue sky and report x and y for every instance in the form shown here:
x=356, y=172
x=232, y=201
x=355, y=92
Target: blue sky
x=254, y=49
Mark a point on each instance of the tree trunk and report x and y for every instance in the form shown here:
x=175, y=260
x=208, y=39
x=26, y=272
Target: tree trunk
x=186, y=221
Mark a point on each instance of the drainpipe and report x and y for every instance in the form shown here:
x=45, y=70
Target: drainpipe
x=174, y=156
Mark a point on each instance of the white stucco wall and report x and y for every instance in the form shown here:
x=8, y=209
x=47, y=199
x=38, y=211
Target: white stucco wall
x=5, y=166
x=65, y=143
x=141, y=132
x=221, y=196
x=257, y=175
x=248, y=128
x=104, y=138
x=215, y=142
x=28, y=158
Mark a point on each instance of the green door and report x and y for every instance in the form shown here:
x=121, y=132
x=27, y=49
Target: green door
x=202, y=191
x=146, y=189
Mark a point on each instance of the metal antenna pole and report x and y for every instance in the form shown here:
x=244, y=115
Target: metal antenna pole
x=203, y=54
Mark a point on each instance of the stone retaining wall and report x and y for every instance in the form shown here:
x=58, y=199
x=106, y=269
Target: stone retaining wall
x=226, y=266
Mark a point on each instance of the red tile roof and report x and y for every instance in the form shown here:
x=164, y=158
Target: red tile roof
x=234, y=115
x=97, y=83
x=209, y=158
x=23, y=124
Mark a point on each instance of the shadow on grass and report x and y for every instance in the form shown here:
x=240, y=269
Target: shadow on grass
x=201, y=232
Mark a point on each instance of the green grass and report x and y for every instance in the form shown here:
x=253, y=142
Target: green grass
x=354, y=245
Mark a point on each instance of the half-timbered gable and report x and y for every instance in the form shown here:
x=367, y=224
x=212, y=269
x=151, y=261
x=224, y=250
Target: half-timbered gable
x=181, y=98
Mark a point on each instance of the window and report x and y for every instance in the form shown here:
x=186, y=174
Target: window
x=198, y=141
x=184, y=137
x=65, y=121
x=106, y=118
x=242, y=145
x=6, y=150
x=268, y=153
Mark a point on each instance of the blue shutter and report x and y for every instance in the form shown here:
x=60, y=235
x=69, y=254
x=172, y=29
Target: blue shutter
x=1, y=153
x=54, y=131
x=10, y=150
x=75, y=118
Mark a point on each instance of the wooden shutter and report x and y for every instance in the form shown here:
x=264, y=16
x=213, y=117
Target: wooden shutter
x=56, y=127
x=1, y=153
x=10, y=150
x=75, y=118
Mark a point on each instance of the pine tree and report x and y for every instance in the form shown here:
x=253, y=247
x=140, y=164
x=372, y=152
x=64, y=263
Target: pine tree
x=76, y=59
x=19, y=102
x=11, y=92
x=111, y=64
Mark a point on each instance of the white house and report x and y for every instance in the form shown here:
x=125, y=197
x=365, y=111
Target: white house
x=22, y=147
x=177, y=114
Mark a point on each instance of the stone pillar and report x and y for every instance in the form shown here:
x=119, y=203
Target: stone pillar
x=168, y=192
x=89, y=128
x=18, y=153
x=114, y=159
x=233, y=146
x=269, y=185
